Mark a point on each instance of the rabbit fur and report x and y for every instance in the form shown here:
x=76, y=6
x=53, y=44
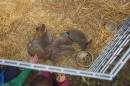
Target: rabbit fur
x=37, y=45
x=79, y=37
x=60, y=47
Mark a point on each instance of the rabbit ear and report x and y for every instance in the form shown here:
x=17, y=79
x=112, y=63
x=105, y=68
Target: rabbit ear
x=43, y=25
x=88, y=42
x=43, y=28
x=37, y=29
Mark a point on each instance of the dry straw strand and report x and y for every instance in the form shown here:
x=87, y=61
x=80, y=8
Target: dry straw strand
x=18, y=20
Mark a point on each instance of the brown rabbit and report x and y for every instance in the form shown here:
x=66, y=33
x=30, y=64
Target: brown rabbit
x=37, y=45
x=60, y=47
x=79, y=37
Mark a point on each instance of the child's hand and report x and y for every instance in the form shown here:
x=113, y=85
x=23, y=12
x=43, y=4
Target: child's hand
x=34, y=59
x=61, y=78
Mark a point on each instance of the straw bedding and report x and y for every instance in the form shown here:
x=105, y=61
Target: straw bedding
x=19, y=18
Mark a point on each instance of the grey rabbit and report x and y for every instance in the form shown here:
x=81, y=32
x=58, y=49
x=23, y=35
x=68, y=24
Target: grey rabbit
x=79, y=37
x=37, y=45
x=44, y=36
x=60, y=47
x=61, y=52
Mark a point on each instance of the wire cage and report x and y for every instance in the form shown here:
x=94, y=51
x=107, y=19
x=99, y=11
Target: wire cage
x=105, y=67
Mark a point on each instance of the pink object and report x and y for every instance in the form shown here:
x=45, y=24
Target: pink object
x=47, y=74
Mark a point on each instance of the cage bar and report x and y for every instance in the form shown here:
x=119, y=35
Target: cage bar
x=55, y=69
x=121, y=62
x=100, y=65
x=120, y=39
x=103, y=57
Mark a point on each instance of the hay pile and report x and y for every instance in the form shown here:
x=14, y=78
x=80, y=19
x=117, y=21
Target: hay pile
x=19, y=18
